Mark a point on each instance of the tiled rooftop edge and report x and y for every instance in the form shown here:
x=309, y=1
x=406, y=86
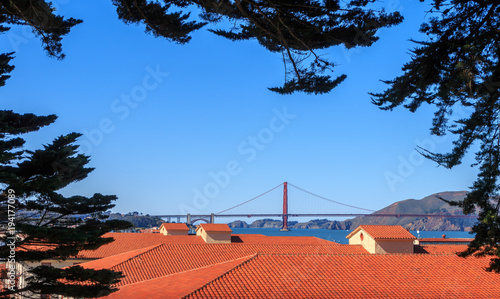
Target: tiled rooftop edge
x=252, y=257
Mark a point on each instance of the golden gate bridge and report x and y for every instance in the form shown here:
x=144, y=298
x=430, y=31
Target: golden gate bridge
x=363, y=212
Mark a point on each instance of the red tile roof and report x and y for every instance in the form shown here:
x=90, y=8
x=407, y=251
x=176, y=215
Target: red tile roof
x=125, y=242
x=355, y=276
x=112, y=261
x=4, y=275
x=257, y=266
x=150, y=230
x=440, y=249
x=384, y=232
x=167, y=259
x=176, y=285
x=175, y=226
x=261, y=239
x=445, y=240
x=215, y=227
x=36, y=246
x=3, y=270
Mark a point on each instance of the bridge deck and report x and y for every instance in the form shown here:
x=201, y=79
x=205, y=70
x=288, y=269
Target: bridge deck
x=321, y=215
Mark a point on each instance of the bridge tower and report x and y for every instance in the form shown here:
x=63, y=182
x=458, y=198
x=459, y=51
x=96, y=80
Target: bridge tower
x=285, y=208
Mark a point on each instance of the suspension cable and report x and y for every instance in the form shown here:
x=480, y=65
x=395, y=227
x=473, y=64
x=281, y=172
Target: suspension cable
x=330, y=200
x=249, y=200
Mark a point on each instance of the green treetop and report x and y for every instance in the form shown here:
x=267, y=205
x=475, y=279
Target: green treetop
x=457, y=71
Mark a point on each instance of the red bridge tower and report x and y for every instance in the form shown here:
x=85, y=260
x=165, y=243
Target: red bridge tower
x=285, y=208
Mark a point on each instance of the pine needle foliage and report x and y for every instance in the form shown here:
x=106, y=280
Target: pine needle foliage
x=296, y=29
x=46, y=224
x=457, y=70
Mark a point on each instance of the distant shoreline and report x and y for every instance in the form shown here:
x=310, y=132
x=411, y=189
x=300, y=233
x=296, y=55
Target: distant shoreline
x=413, y=224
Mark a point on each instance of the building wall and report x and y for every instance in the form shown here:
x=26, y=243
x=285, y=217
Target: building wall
x=171, y=232
x=381, y=246
x=175, y=232
x=394, y=246
x=214, y=237
x=368, y=242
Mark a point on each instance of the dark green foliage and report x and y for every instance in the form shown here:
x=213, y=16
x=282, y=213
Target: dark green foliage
x=310, y=83
x=46, y=25
x=159, y=22
x=295, y=28
x=12, y=124
x=39, y=15
x=5, y=67
x=46, y=217
x=5, y=58
x=458, y=71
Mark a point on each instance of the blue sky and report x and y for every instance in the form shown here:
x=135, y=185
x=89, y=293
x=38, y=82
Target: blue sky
x=165, y=122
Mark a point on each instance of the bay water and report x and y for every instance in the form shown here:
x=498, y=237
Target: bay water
x=339, y=236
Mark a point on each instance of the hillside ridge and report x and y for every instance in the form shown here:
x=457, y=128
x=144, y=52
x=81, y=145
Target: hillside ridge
x=431, y=204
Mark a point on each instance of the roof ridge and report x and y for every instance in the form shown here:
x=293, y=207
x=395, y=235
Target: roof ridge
x=186, y=271
x=313, y=254
x=146, y=249
x=252, y=257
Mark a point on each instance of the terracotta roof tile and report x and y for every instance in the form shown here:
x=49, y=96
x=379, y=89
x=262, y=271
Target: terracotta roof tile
x=175, y=226
x=261, y=239
x=215, y=227
x=35, y=246
x=355, y=276
x=125, y=242
x=112, y=261
x=257, y=266
x=385, y=232
x=445, y=240
x=440, y=249
x=176, y=285
x=168, y=259
x=150, y=230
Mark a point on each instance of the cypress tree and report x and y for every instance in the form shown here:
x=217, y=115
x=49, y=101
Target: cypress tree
x=457, y=71
x=32, y=211
x=296, y=29
x=35, y=213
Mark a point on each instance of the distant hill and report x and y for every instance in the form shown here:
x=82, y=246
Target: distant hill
x=430, y=204
x=139, y=220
